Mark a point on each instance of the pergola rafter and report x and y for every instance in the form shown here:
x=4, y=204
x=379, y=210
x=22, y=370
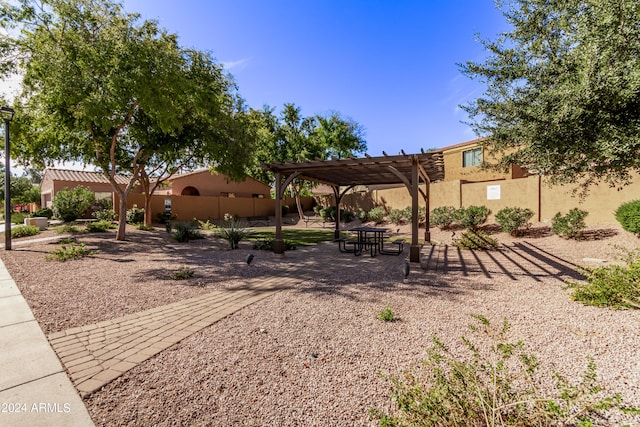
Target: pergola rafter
x=411, y=170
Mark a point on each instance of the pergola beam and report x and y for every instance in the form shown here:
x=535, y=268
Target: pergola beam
x=407, y=169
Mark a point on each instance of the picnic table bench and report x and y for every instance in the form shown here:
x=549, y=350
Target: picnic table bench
x=372, y=239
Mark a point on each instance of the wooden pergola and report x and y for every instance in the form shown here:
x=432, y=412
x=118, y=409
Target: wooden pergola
x=415, y=171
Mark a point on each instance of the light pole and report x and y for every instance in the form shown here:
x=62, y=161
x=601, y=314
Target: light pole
x=7, y=116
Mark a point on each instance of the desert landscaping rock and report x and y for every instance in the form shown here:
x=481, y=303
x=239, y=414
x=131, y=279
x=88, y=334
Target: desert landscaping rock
x=256, y=367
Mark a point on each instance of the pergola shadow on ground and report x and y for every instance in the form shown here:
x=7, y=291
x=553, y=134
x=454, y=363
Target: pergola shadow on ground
x=415, y=171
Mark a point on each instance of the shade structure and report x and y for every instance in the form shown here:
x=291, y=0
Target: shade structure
x=412, y=170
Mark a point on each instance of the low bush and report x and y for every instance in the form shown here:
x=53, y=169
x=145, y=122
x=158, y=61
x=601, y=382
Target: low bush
x=71, y=204
x=329, y=214
x=443, y=217
x=104, y=215
x=422, y=214
x=43, y=212
x=362, y=215
x=135, y=215
x=397, y=216
x=376, y=215
x=207, y=225
x=472, y=217
x=71, y=252
x=267, y=245
x=17, y=217
x=570, y=225
x=69, y=228
x=143, y=227
x=628, y=215
x=494, y=385
x=476, y=239
x=185, y=231
x=616, y=286
x=24, y=231
x=233, y=232
x=100, y=226
x=514, y=220
x=183, y=273
x=386, y=314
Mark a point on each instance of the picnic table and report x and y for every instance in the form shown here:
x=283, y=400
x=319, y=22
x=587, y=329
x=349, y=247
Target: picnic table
x=371, y=239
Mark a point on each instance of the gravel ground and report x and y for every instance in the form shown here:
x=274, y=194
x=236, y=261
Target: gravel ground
x=309, y=355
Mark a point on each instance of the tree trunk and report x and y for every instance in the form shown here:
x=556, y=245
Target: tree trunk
x=297, y=190
x=147, y=209
x=122, y=216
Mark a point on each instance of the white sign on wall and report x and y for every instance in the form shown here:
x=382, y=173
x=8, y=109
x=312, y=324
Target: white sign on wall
x=493, y=192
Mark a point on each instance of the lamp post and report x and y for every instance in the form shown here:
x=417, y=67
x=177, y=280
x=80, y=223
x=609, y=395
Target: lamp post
x=7, y=116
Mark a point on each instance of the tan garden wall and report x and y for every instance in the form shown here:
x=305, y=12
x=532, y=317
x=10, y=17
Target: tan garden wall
x=205, y=208
x=531, y=192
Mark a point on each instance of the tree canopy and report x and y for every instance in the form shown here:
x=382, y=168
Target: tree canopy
x=103, y=87
x=293, y=137
x=563, y=89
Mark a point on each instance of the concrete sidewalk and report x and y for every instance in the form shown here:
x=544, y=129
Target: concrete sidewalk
x=34, y=388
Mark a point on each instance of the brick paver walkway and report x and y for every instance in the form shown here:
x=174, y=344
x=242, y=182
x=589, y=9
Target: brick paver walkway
x=96, y=354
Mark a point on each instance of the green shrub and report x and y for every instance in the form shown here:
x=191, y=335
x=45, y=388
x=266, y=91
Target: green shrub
x=70, y=252
x=135, y=215
x=185, y=231
x=329, y=214
x=628, y=215
x=397, y=216
x=494, y=385
x=69, y=205
x=514, y=220
x=100, y=226
x=207, y=225
x=376, y=215
x=571, y=225
x=143, y=227
x=443, y=217
x=362, y=215
x=472, y=217
x=17, y=217
x=44, y=212
x=267, y=245
x=422, y=213
x=476, y=239
x=611, y=286
x=386, y=314
x=233, y=232
x=183, y=273
x=24, y=231
x=104, y=215
x=69, y=228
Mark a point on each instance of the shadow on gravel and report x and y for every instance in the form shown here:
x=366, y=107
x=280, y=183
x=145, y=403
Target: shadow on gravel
x=516, y=261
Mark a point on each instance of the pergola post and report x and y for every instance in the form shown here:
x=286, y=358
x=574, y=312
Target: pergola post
x=278, y=243
x=414, y=250
x=337, y=198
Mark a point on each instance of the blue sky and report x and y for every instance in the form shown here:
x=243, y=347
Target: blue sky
x=389, y=65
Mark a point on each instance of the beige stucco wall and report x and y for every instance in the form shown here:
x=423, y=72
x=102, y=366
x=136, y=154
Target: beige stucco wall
x=204, y=208
x=454, y=170
x=209, y=184
x=531, y=192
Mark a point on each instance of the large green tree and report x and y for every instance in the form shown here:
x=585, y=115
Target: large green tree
x=293, y=137
x=99, y=81
x=563, y=89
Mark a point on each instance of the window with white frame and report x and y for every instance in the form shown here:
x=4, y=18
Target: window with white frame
x=472, y=157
